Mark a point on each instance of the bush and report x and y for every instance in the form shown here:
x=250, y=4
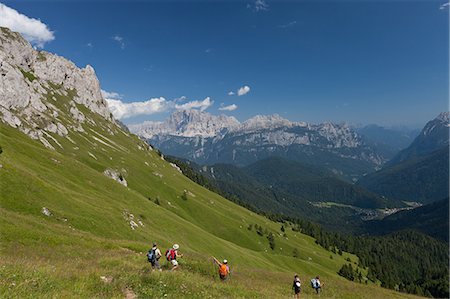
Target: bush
x=184, y=195
x=347, y=272
x=271, y=239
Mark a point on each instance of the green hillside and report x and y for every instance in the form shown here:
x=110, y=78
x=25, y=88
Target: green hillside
x=423, y=179
x=314, y=184
x=279, y=186
x=431, y=219
x=88, y=234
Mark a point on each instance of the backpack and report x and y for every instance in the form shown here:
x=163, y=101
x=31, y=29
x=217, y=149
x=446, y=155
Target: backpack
x=170, y=254
x=223, y=270
x=151, y=255
x=313, y=283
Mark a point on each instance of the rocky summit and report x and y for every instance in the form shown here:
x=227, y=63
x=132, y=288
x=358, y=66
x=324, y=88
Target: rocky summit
x=209, y=139
x=31, y=82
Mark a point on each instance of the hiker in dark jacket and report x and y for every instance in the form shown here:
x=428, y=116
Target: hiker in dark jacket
x=153, y=257
x=296, y=286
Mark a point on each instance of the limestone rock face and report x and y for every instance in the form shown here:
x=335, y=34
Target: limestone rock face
x=209, y=139
x=33, y=85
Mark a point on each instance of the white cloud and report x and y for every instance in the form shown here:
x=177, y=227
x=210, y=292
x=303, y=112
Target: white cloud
x=261, y=5
x=119, y=40
x=111, y=95
x=202, y=105
x=89, y=45
x=122, y=110
x=444, y=6
x=33, y=30
x=287, y=25
x=231, y=107
x=243, y=90
x=231, y=93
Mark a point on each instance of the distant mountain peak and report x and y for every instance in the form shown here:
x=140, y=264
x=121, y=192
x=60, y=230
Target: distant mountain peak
x=434, y=136
x=187, y=123
x=443, y=116
x=261, y=122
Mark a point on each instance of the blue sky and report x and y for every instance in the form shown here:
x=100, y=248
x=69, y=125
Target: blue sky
x=382, y=62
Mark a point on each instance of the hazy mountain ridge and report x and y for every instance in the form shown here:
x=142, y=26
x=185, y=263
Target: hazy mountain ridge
x=434, y=135
x=419, y=172
x=337, y=147
x=423, y=179
x=388, y=141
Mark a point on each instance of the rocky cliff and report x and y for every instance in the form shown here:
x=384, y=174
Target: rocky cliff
x=33, y=84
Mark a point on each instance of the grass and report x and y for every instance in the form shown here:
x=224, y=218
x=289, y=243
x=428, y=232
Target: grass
x=29, y=75
x=89, y=234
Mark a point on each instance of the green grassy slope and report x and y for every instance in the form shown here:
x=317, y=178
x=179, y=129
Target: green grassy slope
x=431, y=219
x=423, y=179
x=89, y=233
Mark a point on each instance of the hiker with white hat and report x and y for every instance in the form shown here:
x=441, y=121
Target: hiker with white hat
x=224, y=270
x=172, y=254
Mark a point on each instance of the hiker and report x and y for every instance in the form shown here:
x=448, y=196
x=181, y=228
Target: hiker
x=296, y=286
x=172, y=254
x=224, y=270
x=153, y=257
x=316, y=284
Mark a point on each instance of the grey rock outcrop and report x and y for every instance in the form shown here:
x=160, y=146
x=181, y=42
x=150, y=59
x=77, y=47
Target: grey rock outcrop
x=115, y=175
x=33, y=85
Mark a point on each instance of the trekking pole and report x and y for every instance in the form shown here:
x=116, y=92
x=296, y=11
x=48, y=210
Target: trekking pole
x=214, y=266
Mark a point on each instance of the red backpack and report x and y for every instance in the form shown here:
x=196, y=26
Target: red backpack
x=170, y=254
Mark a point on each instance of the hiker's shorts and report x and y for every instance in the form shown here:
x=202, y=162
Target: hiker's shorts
x=156, y=264
x=174, y=263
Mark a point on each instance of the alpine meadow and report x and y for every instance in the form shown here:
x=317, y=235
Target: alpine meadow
x=90, y=181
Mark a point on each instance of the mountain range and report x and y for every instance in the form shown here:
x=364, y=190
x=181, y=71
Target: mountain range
x=209, y=139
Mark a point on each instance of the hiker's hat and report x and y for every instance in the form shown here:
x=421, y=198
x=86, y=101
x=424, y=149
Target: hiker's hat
x=154, y=243
x=225, y=261
x=176, y=246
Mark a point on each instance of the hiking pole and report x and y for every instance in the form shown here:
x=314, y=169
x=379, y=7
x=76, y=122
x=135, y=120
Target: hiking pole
x=214, y=266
